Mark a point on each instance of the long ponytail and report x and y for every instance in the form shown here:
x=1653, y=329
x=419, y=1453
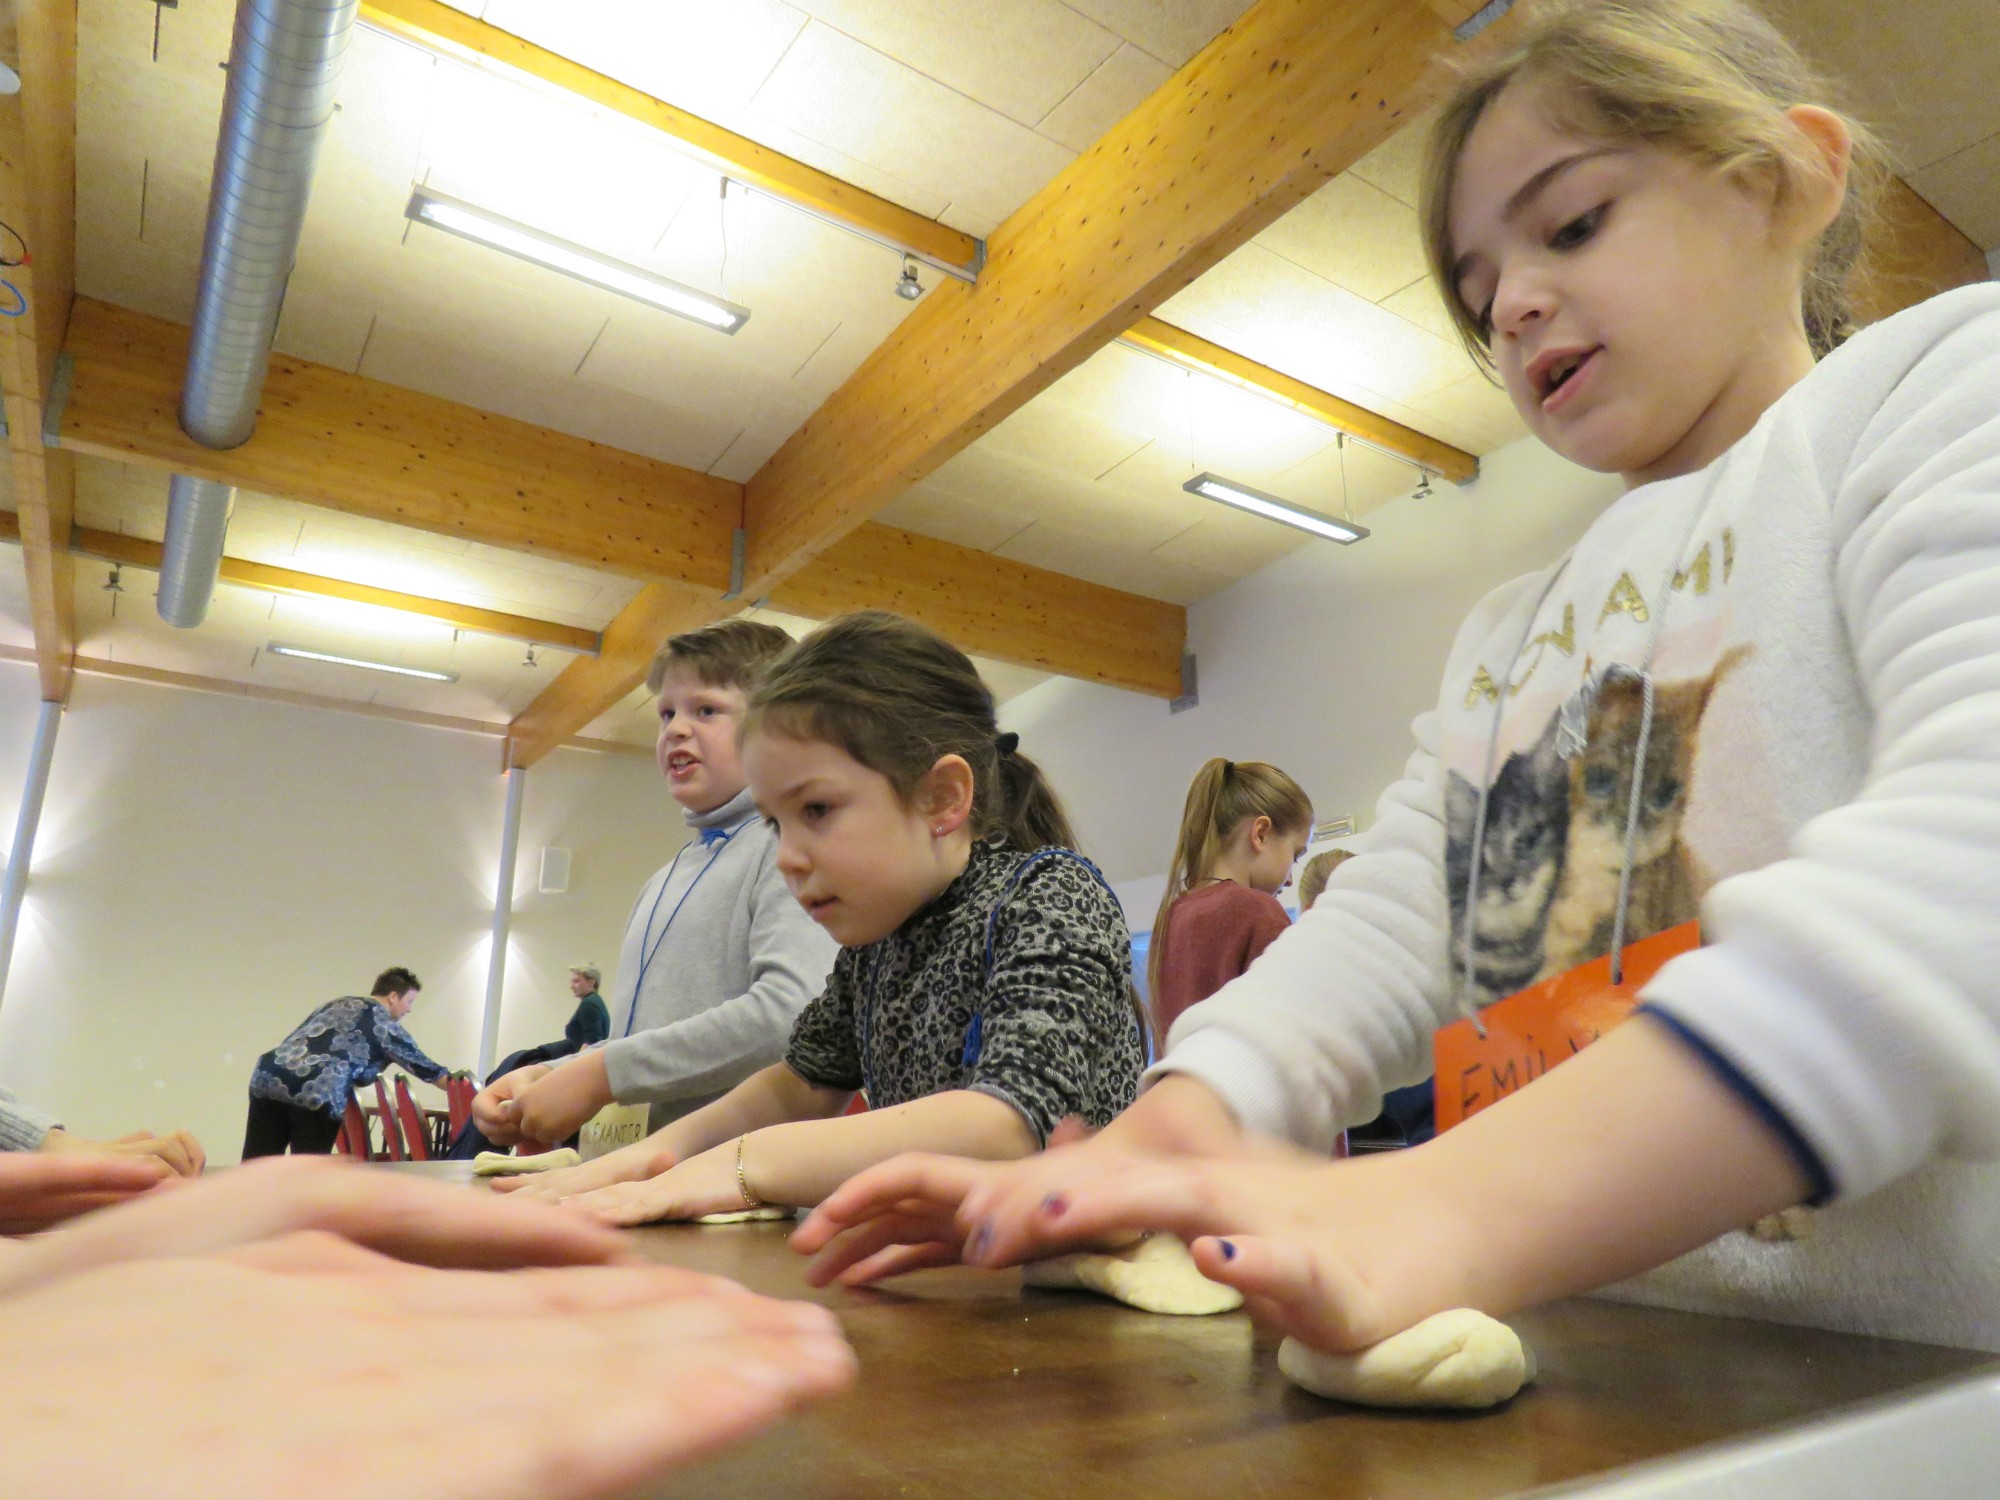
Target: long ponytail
x=1223, y=794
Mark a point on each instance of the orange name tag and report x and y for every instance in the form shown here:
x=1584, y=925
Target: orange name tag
x=1529, y=1033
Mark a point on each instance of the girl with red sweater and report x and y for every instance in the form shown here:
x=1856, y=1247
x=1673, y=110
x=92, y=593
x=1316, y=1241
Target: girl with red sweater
x=1244, y=827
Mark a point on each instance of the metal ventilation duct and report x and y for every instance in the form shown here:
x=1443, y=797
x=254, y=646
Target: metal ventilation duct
x=284, y=64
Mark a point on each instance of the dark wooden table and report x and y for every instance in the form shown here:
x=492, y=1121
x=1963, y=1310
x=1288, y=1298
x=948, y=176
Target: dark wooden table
x=973, y=1388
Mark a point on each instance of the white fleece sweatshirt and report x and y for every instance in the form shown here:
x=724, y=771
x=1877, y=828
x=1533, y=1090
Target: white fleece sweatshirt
x=1822, y=786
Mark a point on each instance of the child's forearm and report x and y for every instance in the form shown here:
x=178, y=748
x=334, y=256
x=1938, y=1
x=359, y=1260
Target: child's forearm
x=801, y=1163
x=1627, y=1155
x=770, y=1097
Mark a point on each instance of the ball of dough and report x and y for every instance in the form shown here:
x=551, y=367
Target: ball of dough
x=1459, y=1358
x=1156, y=1275
x=500, y=1164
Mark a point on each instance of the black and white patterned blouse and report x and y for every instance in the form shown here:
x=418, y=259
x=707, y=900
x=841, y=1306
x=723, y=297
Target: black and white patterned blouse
x=342, y=1046
x=1049, y=1028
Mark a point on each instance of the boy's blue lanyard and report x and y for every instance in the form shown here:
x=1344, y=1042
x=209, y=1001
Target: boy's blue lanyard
x=975, y=1033
x=649, y=946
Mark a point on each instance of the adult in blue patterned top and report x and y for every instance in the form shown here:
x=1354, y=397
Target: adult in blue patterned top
x=301, y=1086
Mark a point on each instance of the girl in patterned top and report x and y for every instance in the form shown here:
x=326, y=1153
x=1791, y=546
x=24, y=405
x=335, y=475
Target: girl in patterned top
x=982, y=993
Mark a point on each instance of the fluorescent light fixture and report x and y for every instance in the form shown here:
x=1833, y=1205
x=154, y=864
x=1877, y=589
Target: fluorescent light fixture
x=357, y=661
x=1271, y=508
x=483, y=228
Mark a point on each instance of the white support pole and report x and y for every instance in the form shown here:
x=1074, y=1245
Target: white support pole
x=15, y=886
x=503, y=917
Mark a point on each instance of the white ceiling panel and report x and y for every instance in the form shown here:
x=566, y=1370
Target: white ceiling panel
x=1965, y=188
x=1119, y=85
x=1231, y=543
x=1172, y=30
x=1923, y=74
x=938, y=513
x=1020, y=57
x=1354, y=235
x=1265, y=307
x=702, y=56
x=1089, y=554
x=1397, y=165
x=850, y=97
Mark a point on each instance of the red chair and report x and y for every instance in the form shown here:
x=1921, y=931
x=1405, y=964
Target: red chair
x=392, y=1138
x=353, y=1138
x=458, y=1096
x=416, y=1137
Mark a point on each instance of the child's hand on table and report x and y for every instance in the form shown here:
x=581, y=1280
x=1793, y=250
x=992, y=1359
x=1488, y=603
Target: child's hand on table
x=638, y=1370
x=704, y=1184
x=1296, y=1244
x=178, y=1149
x=631, y=1163
x=384, y=1212
x=39, y=1190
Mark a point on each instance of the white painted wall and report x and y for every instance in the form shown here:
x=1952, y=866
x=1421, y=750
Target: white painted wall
x=1317, y=664
x=210, y=868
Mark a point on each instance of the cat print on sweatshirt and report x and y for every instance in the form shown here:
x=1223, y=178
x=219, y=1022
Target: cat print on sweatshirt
x=1665, y=888
x=1527, y=824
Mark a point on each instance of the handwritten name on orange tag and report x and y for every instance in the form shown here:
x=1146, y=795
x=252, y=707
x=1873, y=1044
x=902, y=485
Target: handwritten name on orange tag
x=1530, y=1032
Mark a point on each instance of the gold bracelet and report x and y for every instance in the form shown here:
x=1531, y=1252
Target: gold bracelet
x=750, y=1199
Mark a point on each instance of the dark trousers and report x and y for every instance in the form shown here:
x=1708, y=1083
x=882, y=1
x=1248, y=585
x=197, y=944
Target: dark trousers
x=273, y=1127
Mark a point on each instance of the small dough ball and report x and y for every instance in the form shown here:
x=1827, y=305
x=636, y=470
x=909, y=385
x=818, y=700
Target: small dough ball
x=500, y=1164
x=1460, y=1358
x=748, y=1215
x=1156, y=1275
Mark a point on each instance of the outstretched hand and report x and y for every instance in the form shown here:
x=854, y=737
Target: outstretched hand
x=638, y=1370
x=633, y=1163
x=1269, y=1221
x=39, y=1190
x=403, y=1217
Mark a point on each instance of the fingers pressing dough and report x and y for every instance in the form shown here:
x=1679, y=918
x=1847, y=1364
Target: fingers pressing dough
x=1156, y=1275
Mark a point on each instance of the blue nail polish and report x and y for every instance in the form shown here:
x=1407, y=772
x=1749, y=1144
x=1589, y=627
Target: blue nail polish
x=1228, y=1250
x=982, y=1238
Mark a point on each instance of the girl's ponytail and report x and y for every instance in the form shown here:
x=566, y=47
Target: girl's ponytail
x=1223, y=794
x=1029, y=814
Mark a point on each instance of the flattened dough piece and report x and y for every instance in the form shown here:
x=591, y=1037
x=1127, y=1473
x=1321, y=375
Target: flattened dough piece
x=748, y=1215
x=1157, y=1275
x=500, y=1164
x=1459, y=1358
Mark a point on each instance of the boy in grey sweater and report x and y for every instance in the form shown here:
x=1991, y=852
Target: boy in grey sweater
x=718, y=959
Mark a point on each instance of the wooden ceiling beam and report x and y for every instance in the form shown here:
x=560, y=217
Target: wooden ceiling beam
x=1292, y=94
x=454, y=34
x=1192, y=352
x=367, y=448
x=38, y=203
x=138, y=552
x=329, y=438
x=995, y=607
